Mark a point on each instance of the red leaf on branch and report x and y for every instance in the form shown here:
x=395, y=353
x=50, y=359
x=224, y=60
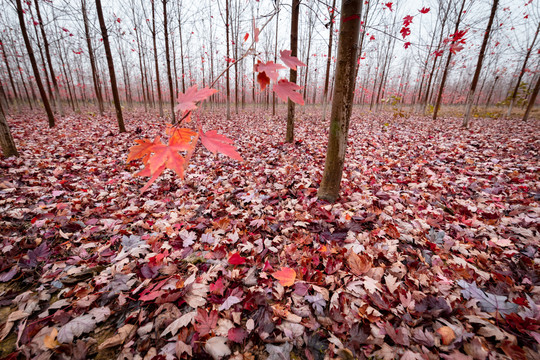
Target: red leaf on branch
x=290, y=61
x=407, y=20
x=188, y=101
x=270, y=68
x=263, y=80
x=143, y=150
x=424, y=10
x=405, y=31
x=215, y=142
x=406, y=45
x=389, y=5
x=285, y=89
x=246, y=37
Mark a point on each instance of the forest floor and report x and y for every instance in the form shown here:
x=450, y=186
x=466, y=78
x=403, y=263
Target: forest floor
x=431, y=252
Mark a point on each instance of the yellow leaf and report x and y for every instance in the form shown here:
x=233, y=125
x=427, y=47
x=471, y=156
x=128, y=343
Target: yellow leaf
x=50, y=340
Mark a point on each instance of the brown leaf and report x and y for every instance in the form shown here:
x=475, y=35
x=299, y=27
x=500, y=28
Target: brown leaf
x=447, y=335
x=123, y=333
x=359, y=264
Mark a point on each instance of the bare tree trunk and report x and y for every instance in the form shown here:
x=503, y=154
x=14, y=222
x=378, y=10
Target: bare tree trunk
x=156, y=63
x=311, y=25
x=228, y=57
x=522, y=72
x=342, y=101
x=139, y=52
x=470, y=95
x=292, y=73
x=6, y=140
x=33, y=62
x=329, y=58
x=110, y=63
x=181, y=48
x=48, y=55
x=532, y=99
x=446, y=67
x=12, y=82
x=168, y=57
x=275, y=58
x=95, y=76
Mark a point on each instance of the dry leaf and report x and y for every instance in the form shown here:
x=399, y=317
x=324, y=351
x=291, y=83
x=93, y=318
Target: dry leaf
x=359, y=264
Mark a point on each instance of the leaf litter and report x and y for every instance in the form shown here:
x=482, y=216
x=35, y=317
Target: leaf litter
x=431, y=251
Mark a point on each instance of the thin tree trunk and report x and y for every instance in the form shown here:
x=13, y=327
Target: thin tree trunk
x=228, y=58
x=6, y=140
x=329, y=58
x=168, y=57
x=110, y=63
x=275, y=58
x=95, y=76
x=156, y=63
x=447, y=66
x=470, y=95
x=522, y=72
x=33, y=62
x=181, y=48
x=12, y=82
x=532, y=99
x=49, y=61
x=342, y=100
x=139, y=53
x=292, y=73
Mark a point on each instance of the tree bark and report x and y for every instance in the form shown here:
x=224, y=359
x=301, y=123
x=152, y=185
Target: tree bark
x=49, y=61
x=329, y=58
x=470, y=95
x=110, y=63
x=522, y=72
x=342, y=101
x=228, y=58
x=275, y=58
x=292, y=73
x=46, y=104
x=6, y=140
x=156, y=63
x=12, y=82
x=447, y=65
x=532, y=100
x=168, y=57
x=95, y=76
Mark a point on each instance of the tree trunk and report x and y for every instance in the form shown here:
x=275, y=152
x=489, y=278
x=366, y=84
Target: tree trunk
x=33, y=62
x=532, y=100
x=446, y=67
x=156, y=63
x=470, y=95
x=329, y=58
x=181, y=49
x=6, y=140
x=522, y=72
x=95, y=76
x=139, y=53
x=228, y=57
x=110, y=63
x=12, y=82
x=49, y=62
x=275, y=57
x=342, y=101
x=168, y=57
x=292, y=73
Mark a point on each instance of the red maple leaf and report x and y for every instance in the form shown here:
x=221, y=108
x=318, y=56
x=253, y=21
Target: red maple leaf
x=407, y=20
x=205, y=322
x=270, y=68
x=290, y=61
x=236, y=259
x=455, y=48
x=424, y=10
x=388, y=5
x=246, y=37
x=188, y=101
x=406, y=45
x=405, y=31
x=217, y=288
x=285, y=89
x=215, y=143
x=263, y=80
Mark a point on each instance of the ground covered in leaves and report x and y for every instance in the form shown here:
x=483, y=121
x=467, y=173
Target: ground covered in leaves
x=431, y=252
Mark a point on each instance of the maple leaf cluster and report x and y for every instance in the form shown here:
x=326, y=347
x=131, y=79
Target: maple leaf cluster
x=407, y=21
x=283, y=88
x=158, y=156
